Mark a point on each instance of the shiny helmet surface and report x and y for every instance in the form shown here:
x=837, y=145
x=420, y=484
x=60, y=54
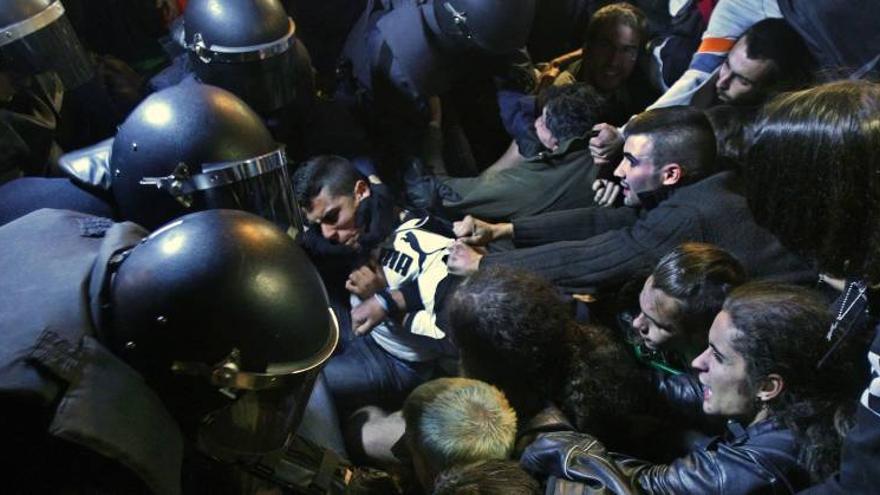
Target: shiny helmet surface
x=192, y=147
x=248, y=47
x=226, y=318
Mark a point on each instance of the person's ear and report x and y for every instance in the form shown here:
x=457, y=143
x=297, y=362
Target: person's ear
x=361, y=190
x=671, y=174
x=771, y=386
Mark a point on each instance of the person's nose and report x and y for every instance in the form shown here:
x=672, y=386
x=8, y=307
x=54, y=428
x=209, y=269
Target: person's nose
x=621, y=169
x=641, y=324
x=700, y=363
x=329, y=232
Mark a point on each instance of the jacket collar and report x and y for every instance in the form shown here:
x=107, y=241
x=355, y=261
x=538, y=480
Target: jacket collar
x=738, y=434
x=571, y=145
x=651, y=199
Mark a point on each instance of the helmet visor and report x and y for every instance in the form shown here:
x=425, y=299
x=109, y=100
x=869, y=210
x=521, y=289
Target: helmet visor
x=267, y=194
x=259, y=185
x=258, y=423
x=46, y=42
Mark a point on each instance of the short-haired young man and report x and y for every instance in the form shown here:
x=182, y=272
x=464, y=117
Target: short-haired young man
x=768, y=58
x=668, y=177
x=396, y=292
x=454, y=422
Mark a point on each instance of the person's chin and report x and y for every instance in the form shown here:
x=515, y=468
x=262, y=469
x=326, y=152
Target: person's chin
x=631, y=200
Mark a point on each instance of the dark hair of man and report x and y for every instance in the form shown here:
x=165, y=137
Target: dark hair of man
x=782, y=330
x=335, y=173
x=733, y=126
x=681, y=135
x=775, y=40
x=515, y=332
x=511, y=328
x=813, y=175
x=699, y=277
x=572, y=110
x=487, y=478
x=616, y=14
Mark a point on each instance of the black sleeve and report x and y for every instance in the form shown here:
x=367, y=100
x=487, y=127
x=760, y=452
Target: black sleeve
x=570, y=225
x=608, y=259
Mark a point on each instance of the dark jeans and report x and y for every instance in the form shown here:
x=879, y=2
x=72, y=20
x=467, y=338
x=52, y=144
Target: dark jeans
x=319, y=423
x=364, y=374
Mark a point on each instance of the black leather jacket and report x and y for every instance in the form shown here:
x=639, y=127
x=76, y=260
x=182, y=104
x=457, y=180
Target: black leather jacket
x=759, y=459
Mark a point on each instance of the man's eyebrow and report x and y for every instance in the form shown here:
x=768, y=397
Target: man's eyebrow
x=631, y=158
x=742, y=77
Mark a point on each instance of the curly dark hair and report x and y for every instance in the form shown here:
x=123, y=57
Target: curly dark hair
x=604, y=386
x=487, y=478
x=782, y=330
x=511, y=328
x=813, y=175
x=572, y=110
x=514, y=331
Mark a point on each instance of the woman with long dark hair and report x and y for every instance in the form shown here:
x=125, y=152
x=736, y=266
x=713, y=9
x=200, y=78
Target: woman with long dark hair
x=813, y=177
x=758, y=372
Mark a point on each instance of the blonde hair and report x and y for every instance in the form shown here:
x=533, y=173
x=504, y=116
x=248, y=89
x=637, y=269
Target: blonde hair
x=455, y=421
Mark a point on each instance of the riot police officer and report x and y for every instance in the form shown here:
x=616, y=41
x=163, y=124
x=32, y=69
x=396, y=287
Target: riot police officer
x=186, y=148
x=199, y=342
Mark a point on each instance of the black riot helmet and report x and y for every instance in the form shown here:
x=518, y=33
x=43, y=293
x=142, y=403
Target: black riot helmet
x=248, y=47
x=193, y=147
x=36, y=36
x=226, y=318
x=496, y=27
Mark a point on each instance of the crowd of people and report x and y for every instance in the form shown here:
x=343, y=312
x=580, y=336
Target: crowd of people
x=440, y=246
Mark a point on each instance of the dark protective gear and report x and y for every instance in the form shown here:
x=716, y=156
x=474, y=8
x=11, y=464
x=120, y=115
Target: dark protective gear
x=193, y=147
x=72, y=402
x=423, y=46
x=496, y=27
x=224, y=301
x=37, y=37
x=248, y=47
x=58, y=384
x=89, y=166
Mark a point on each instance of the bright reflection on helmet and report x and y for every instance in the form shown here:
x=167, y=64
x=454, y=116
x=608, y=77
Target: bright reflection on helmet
x=157, y=113
x=173, y=243
x=269, y=284
x=216, y=7
x=256, y=232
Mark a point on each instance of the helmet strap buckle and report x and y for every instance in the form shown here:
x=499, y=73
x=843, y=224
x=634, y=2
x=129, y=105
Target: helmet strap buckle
x=460, y=20
x=176, y=184
x=201, y=49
